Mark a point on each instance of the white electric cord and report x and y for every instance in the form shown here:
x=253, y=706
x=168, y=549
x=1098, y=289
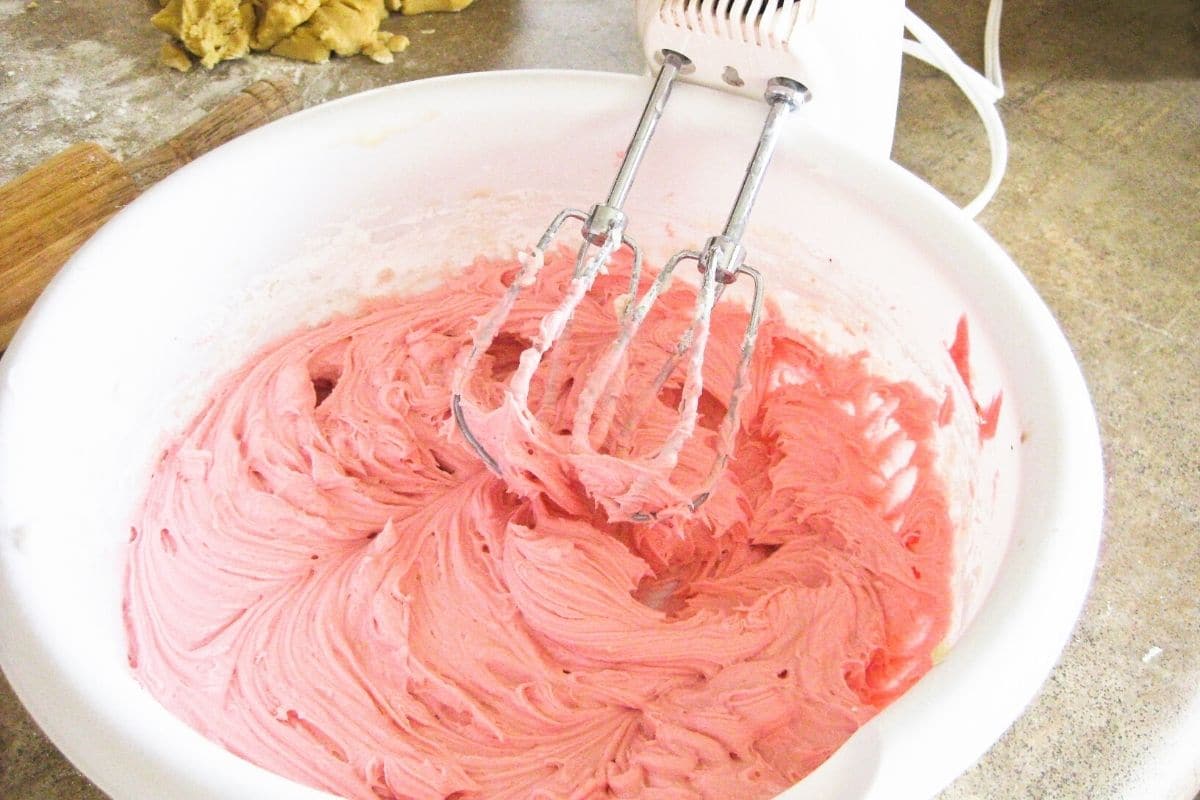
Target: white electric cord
x=991, y=45
x=983, y=92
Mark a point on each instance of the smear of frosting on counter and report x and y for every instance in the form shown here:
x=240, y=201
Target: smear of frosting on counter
x=327, y=581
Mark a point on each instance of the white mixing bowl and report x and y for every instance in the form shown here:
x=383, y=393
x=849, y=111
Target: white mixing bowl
x=302, y=218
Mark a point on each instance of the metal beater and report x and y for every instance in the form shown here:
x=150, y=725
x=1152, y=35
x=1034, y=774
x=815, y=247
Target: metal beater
x=721, y=261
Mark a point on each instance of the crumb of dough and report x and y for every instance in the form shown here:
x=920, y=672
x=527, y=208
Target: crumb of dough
x=382, y=50
x=211, y=30
x=174, y=57
x=346, y=27
x=424, y=6
x=378, y=52
x=31, y=5
x=280, y=18
x=306, y=30
x=302, y=46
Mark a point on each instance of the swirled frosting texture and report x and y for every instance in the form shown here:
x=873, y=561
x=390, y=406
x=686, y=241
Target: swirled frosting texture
x=325, y=579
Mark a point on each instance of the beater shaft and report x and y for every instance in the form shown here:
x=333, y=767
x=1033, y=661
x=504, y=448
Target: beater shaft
x=725, y=251
x=674, y=64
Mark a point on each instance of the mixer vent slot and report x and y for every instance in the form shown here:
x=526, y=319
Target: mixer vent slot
x=764, y=23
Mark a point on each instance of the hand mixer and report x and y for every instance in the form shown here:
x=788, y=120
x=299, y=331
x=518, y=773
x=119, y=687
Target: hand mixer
x=762, y=48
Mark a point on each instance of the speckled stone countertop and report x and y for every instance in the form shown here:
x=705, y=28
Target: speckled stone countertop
x=1101, y=208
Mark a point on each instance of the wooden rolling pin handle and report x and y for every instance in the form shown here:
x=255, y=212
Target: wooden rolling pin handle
x=256, y=105
x=47, y=213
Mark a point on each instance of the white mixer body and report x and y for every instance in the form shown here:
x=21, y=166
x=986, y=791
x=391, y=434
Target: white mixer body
x=847, y=52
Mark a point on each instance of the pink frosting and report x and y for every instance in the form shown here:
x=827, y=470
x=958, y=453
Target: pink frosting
x=327, y=581
x=960, y=354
